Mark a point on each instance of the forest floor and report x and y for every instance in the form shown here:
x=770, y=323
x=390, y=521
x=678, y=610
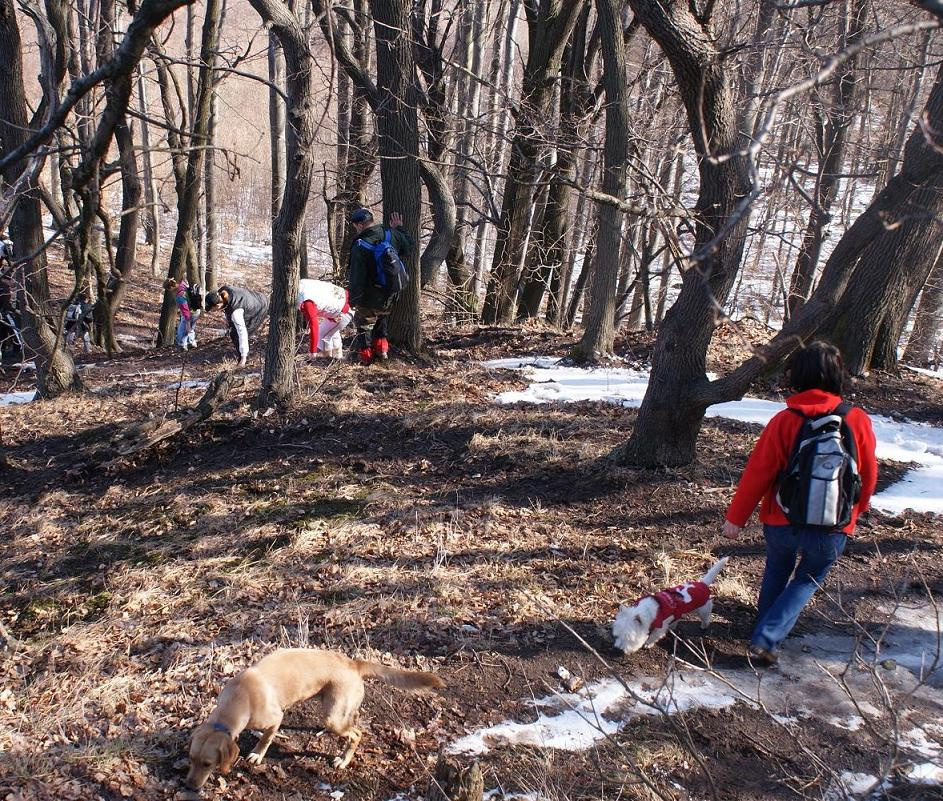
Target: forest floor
x=399, y=514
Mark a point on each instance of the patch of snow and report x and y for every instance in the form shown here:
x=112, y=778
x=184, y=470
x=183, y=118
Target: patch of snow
x=901, y=441
x=924, y=371
x=852, y=785
x=14, y=398
x=188, y=385
x=805, y=685
x=925, y=773
x=246, y=252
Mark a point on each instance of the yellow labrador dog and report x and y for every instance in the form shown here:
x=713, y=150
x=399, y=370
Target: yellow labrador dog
x=258, y=697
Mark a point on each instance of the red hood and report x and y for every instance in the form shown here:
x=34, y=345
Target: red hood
x=813, y=402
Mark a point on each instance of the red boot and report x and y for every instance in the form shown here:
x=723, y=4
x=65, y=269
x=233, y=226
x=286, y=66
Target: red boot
x=366, y=355
x=381, y=348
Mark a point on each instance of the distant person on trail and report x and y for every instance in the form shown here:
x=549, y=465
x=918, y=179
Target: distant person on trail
x=79, y=318
x=245, y=312
x=11, y=339
x=370, y=293
x=815, y=470
x=327, y=310
x=189, y=301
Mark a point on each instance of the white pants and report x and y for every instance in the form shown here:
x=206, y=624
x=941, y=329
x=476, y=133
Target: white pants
x=329, y=335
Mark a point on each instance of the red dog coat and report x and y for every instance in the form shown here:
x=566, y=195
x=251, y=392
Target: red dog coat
x=676, y=602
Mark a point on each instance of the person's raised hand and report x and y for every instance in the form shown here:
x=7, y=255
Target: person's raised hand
x=731, y=530
x=396, y=219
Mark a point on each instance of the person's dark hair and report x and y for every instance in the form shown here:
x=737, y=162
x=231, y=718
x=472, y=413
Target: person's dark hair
x=817, y=366
x=212, y=299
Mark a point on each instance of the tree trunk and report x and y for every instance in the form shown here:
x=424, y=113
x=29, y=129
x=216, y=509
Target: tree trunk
x=890, y=272
x=276, y=118
x=111, y=292
x=278, y=379
x=55, y=370
x=928, y=322
x=549, y=29
x=188, y=202
x=833, y=119
x=599, y=320
x=579, y=288
x=210, y=279
x=501, y=81
x=670, y=416
x=398, y=129
x=152, y=209
x=560, y=289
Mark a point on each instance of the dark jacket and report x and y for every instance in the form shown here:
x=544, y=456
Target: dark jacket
x=361, y=273
x=245, y=312
x=254, y=305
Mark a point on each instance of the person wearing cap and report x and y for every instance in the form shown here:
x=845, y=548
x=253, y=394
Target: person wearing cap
x=327, y=310
x=371, y=301
x=245, y=312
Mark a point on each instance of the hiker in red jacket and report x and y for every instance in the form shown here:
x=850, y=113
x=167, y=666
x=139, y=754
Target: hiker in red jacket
x=817, y=375
x=327, y=311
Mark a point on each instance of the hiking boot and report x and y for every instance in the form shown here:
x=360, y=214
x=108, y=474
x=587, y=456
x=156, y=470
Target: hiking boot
x=366, y=355
x=381, y=348
x=762, y=656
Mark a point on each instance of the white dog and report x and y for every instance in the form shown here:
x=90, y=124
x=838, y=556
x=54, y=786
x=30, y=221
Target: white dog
x=647, y=620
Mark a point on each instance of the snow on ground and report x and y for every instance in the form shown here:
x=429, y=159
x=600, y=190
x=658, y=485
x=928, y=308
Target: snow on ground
x=805, y=685
x=902, y=441
x=11, y=398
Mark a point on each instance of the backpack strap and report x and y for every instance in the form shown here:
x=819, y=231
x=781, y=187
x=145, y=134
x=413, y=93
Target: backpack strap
x=849, y=438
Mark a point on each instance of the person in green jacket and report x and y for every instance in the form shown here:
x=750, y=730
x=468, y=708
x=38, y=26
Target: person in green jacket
x=371, y=300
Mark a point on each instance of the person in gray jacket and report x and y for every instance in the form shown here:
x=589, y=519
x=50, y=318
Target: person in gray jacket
x=245, y=312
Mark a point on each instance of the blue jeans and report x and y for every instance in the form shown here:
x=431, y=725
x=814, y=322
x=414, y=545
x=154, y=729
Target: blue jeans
x=784, y=595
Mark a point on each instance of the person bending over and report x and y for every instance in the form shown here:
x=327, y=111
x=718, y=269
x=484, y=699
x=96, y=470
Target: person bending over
x=245, y=312
x=327, y=310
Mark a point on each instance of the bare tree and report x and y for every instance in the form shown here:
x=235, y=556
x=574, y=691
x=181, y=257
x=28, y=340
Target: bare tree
x=549, y=26
x=188, y=201
x=288, y=228
x=599, y=327
x=928, y=322
x=55, y=370
x=670, y=417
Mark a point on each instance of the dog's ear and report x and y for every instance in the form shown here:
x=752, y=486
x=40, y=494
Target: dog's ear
x=228, y=753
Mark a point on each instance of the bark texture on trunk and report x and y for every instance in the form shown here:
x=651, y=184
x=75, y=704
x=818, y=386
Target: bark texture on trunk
x=55, y=370
x=599, y=318
x=549, y=27
x=833, y=118
x=923, y=345
x=278, y=378
x=889, y=273
x=671, y=412
x=188, y=201
x=398, y=129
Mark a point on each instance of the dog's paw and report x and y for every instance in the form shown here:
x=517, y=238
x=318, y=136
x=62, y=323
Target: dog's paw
x=254, y=758
x=341, y=762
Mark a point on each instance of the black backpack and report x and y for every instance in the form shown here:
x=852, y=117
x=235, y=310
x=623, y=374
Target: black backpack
x=195, y=296
x=391, y=275
x=821, y=485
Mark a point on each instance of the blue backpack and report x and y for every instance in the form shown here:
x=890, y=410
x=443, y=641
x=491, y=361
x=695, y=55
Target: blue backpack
x=391, y=275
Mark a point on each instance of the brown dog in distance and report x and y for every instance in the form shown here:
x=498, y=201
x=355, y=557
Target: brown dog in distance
x=258, y=697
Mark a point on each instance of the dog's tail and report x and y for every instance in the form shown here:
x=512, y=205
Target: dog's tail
x=403, y=679
x=711, y=574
